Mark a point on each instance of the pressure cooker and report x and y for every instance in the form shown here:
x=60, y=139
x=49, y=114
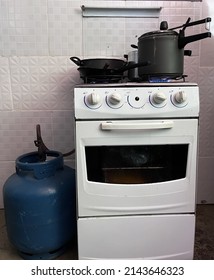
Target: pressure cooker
x=165, y=49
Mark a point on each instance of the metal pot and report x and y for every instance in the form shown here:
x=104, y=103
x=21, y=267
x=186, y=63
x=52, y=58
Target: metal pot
x=165, y=50
x=132, y=58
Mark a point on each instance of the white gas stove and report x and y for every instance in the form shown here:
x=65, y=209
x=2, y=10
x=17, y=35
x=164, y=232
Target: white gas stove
x=136, y=159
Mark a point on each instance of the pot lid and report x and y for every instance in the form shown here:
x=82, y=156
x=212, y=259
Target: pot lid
x=164, y=31
x=158, y=33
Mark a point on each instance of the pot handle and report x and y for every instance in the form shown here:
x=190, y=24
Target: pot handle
x=188, y=23
x=187, y=52
x=205, y=20
x=130, y=66
x=76, y=60
x=183, y=41
x=134, y=46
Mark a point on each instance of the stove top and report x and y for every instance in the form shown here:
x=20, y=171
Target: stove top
x=136, y=84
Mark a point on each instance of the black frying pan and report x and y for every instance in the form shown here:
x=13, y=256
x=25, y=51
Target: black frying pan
x=104, y=67
x=99, y=63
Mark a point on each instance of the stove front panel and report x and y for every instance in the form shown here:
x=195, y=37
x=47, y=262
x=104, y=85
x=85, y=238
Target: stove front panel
x=136, y=101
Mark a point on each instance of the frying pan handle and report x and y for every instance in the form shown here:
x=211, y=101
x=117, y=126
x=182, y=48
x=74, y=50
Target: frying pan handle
x=76, y=60
x=130, y=66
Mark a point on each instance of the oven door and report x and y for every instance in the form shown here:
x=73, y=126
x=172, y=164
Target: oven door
x=133, y=167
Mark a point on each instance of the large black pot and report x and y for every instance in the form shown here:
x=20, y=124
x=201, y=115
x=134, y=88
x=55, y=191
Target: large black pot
x=165, y=50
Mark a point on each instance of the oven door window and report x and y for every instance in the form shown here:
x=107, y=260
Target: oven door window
x=136, y=164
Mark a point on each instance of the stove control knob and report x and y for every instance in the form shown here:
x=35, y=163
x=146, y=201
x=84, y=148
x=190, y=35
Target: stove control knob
x=93, y=100
x=159, y=98
x=180, y=97
x=114, y=99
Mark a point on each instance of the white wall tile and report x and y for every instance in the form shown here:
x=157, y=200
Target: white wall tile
x=63, y=131
x=103, y=37
x=206, y=83
x=5, y=86
x=43, y=83
x=23, y=27
x=7, y=168
x=18, y=132
x=65, y=28
x=207, y=54
x=191, y=67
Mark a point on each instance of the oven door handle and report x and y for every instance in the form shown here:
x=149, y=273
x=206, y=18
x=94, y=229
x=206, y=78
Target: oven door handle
x=136, y=126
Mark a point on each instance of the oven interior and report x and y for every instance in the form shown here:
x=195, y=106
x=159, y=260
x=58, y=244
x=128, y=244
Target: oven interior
x=138, y=164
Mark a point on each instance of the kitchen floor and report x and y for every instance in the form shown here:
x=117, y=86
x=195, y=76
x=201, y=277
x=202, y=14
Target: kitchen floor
x=204, y=239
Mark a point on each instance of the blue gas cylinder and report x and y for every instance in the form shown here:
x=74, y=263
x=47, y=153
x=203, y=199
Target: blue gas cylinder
x=39, y=202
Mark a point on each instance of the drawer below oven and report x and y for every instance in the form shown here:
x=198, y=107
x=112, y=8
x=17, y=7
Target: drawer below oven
x=160, y=237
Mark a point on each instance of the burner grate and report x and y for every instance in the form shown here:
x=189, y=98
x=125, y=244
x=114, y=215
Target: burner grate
x=164, y=79
x=110, y=79
x=103, y=79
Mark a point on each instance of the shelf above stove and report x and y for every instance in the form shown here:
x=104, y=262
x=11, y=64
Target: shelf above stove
x=150, y=12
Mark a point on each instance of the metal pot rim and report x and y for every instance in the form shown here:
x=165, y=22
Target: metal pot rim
x=158, y=33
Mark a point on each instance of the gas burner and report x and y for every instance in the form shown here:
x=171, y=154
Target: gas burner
x=103, y=79
x=164, y=79
x=120, y=78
